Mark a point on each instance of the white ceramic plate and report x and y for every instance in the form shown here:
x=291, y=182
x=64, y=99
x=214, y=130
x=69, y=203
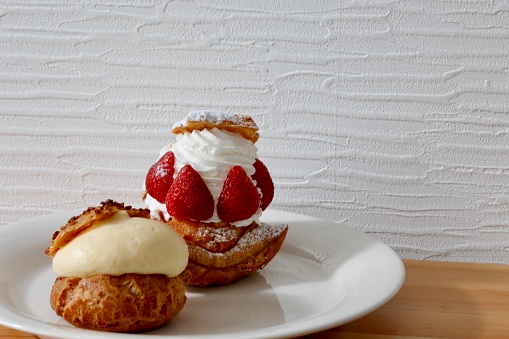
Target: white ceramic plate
x=324, y=275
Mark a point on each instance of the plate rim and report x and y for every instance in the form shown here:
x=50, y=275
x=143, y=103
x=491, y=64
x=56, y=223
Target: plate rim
x=285, y=329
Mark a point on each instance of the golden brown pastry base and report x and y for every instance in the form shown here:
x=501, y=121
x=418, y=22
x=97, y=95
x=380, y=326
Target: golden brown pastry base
x=220, y=253
x=126, y=303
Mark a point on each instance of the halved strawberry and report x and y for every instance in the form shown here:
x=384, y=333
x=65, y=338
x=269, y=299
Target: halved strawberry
x=189, y=197
x=264, y=183
x=239, y=198
x=160, y=177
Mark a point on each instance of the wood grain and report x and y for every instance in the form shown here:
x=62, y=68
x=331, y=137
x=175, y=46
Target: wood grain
x=437, y=300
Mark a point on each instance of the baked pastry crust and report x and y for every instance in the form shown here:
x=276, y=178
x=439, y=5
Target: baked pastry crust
x=125, y=303
x=220, y=253
x=89, y=218
x=242, y=124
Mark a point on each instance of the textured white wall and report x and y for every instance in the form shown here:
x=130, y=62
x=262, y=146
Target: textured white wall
x=390, y=116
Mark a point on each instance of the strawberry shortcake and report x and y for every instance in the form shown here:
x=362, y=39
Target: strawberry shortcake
x=211, y=187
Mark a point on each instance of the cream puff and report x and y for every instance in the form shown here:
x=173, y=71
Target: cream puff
x=118, y=270
x=210, y=186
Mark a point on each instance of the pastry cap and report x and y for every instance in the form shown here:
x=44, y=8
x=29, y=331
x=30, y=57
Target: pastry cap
x=88, y=219
x=200, y=120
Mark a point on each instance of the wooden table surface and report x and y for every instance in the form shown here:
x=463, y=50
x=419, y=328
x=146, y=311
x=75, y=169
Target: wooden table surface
x=437, y=300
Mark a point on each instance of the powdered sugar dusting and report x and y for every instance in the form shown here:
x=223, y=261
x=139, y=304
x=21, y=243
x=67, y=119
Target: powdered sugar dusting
x=252, y=242
x=214, y=117
x=221, y=235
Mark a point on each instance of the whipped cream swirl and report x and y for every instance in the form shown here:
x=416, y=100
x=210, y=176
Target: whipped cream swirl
x=212, y=153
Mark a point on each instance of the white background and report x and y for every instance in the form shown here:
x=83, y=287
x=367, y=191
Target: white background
x=389, y=116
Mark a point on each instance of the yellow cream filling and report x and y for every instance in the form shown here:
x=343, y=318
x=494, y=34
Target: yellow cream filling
x=120, y=245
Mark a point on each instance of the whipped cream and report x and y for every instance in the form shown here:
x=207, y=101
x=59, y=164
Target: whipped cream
x=120, y=245
x=212, y=153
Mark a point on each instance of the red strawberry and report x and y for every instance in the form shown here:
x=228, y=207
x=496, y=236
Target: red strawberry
x=189, y=197
x=239, y=198
x=264, y=183
x=160, y=177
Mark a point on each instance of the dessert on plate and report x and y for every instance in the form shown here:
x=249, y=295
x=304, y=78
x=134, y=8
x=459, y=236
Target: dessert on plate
x=118, y=270
x=212, y=188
